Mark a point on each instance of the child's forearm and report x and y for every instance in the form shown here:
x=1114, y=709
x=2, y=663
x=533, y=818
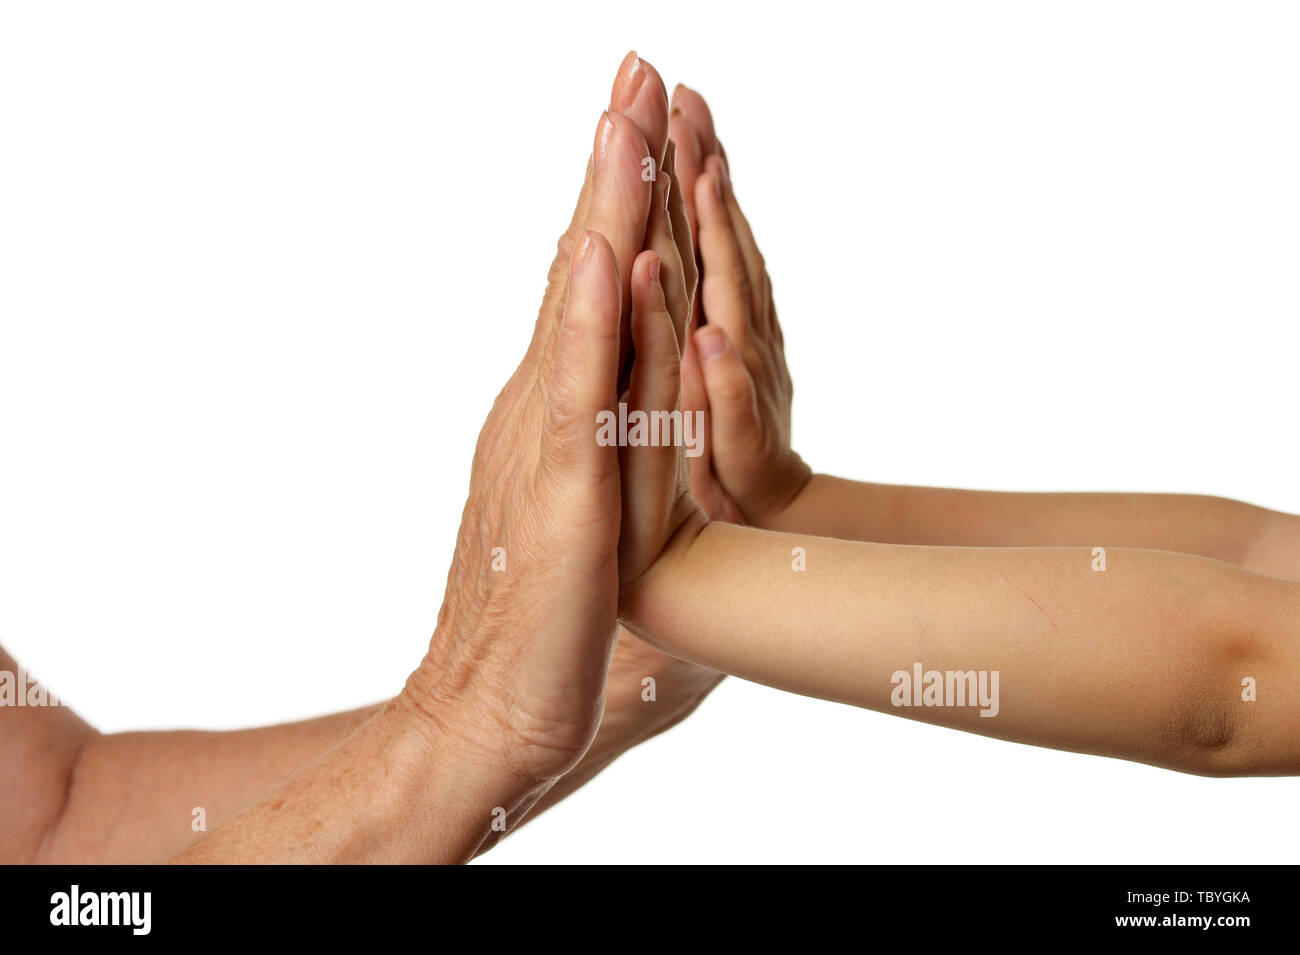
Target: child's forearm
x=1144, y=660
x=1267, y=542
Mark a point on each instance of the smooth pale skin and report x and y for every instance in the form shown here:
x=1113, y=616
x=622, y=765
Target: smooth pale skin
x=1144, y=661
x=429, y=764
x=750, y=471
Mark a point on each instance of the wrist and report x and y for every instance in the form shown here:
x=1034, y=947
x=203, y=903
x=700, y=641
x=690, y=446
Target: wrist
x=390, y=792
x=634, y=718
x=621, y=728
x=793, y=480
x=633, y=593
x=443, y=780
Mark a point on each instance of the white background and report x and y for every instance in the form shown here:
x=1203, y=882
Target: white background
x=264, y=266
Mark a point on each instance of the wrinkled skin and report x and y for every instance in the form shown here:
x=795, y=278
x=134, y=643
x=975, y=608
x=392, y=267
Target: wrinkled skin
x=521, y=654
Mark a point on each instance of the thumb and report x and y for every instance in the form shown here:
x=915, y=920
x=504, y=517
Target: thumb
x=733, y=405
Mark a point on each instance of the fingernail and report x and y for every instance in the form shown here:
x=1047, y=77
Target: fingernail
x=631, y=75
x=582, y=253
x=710, y=343
x=604, y=132
x=717, y=187
x=654, y=270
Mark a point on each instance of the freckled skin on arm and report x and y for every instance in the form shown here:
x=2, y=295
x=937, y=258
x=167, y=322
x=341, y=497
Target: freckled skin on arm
x=38, y=747
x=70, y=794
x=135, y=793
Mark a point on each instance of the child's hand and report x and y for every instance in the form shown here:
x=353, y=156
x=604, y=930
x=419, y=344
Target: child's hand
x=738, y=373
x=657, y=502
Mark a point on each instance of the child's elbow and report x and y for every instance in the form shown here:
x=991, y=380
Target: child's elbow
x=1205, y=738
x=1227, y=708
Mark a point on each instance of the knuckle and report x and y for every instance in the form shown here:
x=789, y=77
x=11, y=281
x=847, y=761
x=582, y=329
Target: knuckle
x=737, y=276
x=670, y=369
x=752, y=356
